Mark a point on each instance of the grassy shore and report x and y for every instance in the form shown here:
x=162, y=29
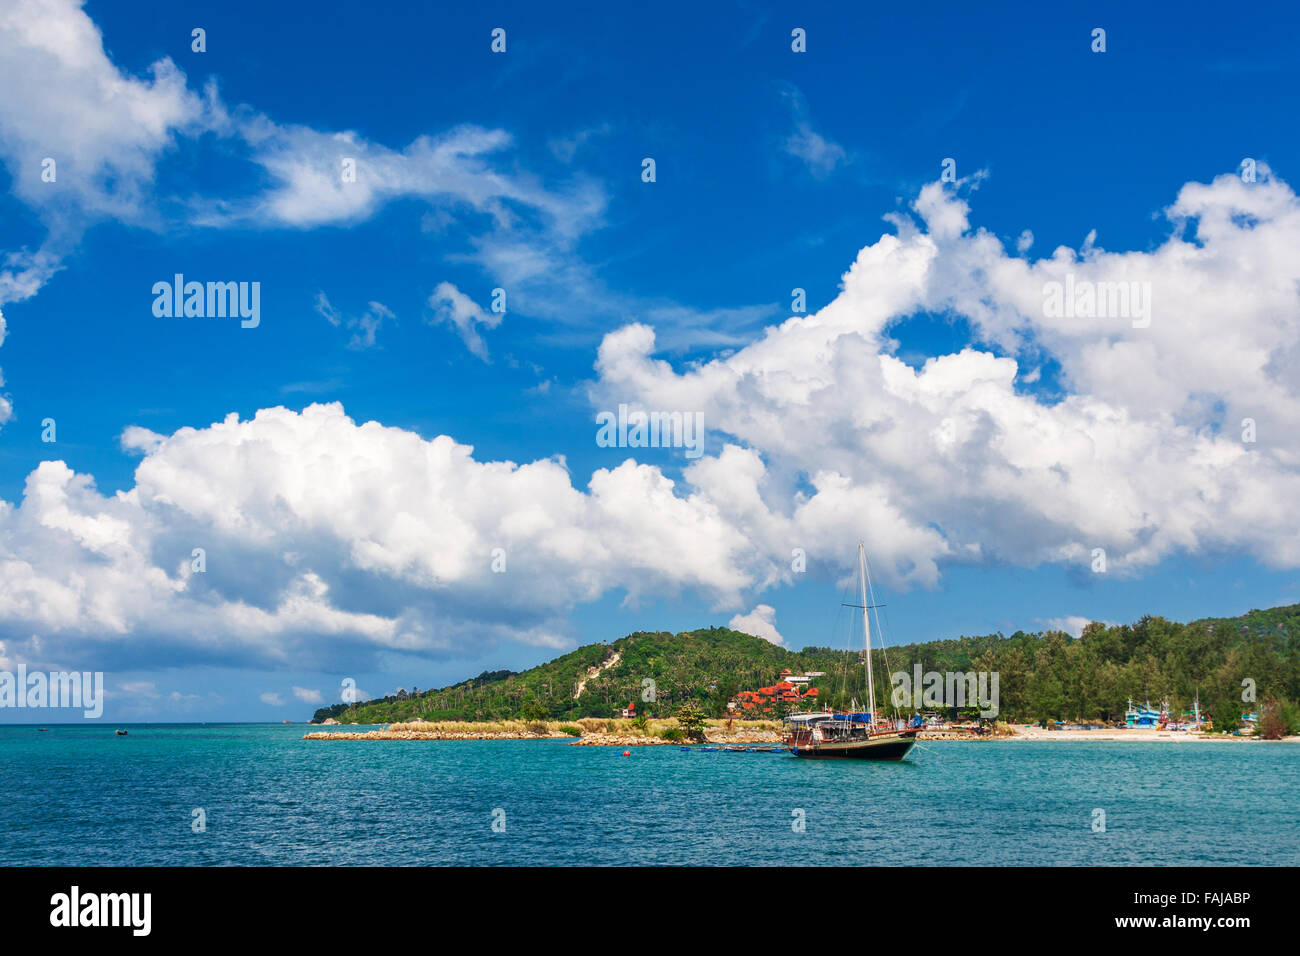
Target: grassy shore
x=589, y=730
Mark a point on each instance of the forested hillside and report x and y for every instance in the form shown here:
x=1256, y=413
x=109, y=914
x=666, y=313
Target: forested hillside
x=1042, y=675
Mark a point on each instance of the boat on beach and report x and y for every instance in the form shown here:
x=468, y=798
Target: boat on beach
x=1147, y=716
x=852, y=736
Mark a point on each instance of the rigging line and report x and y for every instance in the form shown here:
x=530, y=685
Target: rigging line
x=935, y=752
x=848, y=640
x=888, y=628
x=872, y=591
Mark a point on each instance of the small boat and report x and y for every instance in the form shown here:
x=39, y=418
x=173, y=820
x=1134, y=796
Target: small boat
x=121, y=733
x=687, y=749
x=733, y=750
x=711, y=750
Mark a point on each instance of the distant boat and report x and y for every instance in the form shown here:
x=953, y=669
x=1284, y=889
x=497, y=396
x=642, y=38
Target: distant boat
x=850, y=736
x=121, y=733
x=1146, y=716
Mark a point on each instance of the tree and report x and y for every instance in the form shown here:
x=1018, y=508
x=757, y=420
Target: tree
x=691, y=719
x=1278, y=719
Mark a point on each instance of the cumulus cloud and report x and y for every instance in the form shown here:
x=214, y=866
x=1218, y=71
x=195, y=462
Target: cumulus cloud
x=324, y=541
x=272, y=698
x=760, y=622
x=308, y=696
x=961, y=459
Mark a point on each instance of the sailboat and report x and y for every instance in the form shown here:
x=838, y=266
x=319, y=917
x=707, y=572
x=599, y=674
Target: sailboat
x=854, y=736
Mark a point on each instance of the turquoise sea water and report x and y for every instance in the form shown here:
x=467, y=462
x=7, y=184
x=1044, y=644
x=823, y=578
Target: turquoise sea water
x=82, y=796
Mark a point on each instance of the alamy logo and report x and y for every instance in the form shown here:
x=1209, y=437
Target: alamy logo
x=55, y=689
x=949, y=689
x=103, y=909
x=1084, y=299
x=651, y=430
x=211, y=300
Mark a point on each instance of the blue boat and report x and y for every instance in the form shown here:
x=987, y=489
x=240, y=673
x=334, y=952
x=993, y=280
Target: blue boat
x=1147, y=716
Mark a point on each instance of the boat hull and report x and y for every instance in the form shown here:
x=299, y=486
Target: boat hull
x=884, y=747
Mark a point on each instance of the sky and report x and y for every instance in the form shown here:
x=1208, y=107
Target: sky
x=841, y=262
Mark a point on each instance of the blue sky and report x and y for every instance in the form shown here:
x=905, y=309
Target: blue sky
x=774, y=170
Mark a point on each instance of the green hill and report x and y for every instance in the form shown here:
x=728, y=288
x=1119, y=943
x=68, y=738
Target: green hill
x=1042, y=675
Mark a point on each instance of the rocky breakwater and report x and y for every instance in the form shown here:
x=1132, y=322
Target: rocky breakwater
x=399, y=732
x=598, y=739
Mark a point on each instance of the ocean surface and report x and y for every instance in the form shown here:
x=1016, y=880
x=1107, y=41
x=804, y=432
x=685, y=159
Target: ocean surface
x=76, y=795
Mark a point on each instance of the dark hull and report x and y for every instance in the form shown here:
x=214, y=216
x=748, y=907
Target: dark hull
x=890, y=747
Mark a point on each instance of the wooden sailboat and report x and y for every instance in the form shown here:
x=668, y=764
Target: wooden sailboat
x=852, y=736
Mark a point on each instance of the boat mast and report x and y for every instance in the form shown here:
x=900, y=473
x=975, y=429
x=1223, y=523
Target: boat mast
x=866, y=628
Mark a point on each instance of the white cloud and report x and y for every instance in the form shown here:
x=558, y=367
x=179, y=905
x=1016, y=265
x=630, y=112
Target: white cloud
x=760, y=622
x=324, y=539
x=6, y=409
x=272, y=698
x=364, y=327
x=308, y=696
x=454, y=308
x=834, y=436
x=818, y=153
x=324, y=536
x=105, y=130
x=565, y=148
x=109, y=131
x=1071, y=624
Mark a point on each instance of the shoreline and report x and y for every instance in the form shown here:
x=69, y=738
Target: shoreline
x=1149, y=736
x=760, y=735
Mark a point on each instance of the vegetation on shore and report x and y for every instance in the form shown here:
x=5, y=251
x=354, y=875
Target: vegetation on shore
x=1045, y=675
x=670, y=730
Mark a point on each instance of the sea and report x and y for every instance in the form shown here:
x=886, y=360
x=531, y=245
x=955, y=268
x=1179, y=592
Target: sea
x=258, y=794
